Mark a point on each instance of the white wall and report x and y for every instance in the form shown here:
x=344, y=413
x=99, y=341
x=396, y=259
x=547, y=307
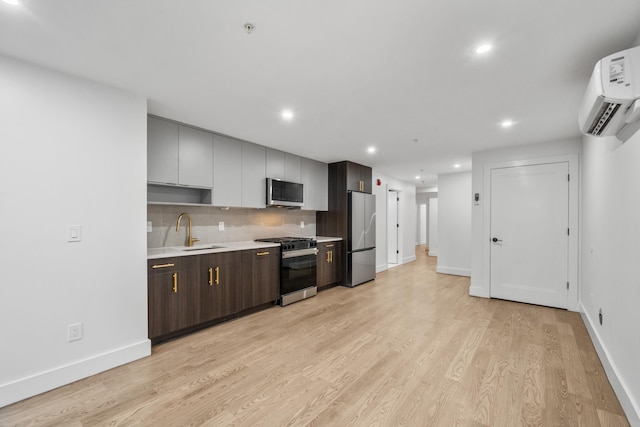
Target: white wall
x=433, y=227
x=479, y=250
x=406, y=219
x=72, y=152
x=454, y=224
x=610, y=269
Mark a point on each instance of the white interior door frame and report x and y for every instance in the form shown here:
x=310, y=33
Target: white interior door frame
x=574, y=225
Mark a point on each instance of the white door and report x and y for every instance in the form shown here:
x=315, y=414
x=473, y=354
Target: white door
x=529, y=234
x=392, y=227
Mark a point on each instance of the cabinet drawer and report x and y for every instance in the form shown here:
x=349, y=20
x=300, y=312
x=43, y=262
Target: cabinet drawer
x=167, y=265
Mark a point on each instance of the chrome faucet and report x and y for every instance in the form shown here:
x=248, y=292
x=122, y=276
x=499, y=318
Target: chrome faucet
x=190, y=238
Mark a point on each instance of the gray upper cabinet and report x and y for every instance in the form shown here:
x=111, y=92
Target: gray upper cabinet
x=162, y=151
x=186, y=165
x=227, y=171
x=195, y=157
x=253, y=175
x=281, y=165
x=178, y=155
x=292, y=167
x=314, y=176
x=275, y=164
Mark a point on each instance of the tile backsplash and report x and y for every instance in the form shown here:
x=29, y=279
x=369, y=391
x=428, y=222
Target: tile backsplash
x=240, y=224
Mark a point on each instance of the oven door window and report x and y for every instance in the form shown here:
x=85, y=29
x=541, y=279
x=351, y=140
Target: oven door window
x=298, y=273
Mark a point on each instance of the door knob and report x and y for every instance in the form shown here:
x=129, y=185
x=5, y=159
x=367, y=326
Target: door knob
x=495, y=239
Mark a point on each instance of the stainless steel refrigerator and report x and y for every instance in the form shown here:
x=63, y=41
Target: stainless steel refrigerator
x=361, y=236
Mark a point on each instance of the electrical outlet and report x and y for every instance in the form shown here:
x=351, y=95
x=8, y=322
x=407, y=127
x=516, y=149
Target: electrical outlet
x=74, y=332
x=149, y=227
x=221, y=226
x=301, y=224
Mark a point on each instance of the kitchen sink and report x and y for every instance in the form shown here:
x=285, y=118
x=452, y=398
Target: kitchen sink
x=202, y=247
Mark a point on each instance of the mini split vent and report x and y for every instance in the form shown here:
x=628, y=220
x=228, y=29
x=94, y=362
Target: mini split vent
x=611, y=103
x=603, y=117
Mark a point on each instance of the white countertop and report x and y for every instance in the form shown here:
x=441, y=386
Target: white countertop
x=211, y=248
x=324, y=239
x=168, y=252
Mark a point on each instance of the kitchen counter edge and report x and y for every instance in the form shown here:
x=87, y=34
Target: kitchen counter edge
x=170, y=252
x=324, y=239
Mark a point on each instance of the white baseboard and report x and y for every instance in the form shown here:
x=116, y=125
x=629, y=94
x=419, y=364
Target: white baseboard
x=477, y=291
x=57, y=377
x=453, y=270
x=409, y=259
x=433, y=253
x=631, y=409
x=381, y=267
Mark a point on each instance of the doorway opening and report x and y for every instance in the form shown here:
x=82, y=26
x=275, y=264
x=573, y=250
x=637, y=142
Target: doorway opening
x=393, y=227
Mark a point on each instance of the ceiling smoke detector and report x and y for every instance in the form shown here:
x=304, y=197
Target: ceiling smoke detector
x=249, y=27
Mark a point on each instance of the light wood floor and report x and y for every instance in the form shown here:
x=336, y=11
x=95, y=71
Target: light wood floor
x=411, y=348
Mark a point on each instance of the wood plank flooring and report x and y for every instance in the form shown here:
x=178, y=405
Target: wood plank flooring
x=411, y=348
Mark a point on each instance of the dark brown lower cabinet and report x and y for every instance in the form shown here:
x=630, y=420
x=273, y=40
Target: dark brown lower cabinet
x=190, y=292
x=220, y=284
x=329, y=263
x=172, y=294
x=260, y=277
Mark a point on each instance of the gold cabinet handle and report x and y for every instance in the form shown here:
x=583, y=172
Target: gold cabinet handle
x=262, y=253
x=175, y=283
x=163, y=265
x=330, y=256
x=329, y=246
x=211, y=276
x=217, y=275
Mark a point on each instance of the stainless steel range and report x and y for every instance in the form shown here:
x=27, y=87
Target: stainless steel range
x=297, y=268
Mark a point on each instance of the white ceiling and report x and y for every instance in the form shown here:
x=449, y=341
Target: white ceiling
x=357, y=73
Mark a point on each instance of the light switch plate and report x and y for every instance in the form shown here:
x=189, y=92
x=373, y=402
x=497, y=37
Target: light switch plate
x=221, y=225
x=74, y=233
x=149, y=227
x=301, y=224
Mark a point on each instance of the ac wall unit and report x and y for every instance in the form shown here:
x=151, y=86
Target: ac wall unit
x=611, y=104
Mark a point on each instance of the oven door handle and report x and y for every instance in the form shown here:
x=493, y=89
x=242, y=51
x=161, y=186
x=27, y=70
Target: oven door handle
x=299, y=252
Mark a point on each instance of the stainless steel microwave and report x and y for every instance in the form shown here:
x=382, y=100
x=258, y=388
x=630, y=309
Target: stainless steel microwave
x=284, y=193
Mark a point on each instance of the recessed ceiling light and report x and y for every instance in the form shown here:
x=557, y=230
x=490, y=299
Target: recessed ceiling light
x=507, y=123
x=287, y=114
x=457, y=165
x=417, y=176
x=483, y=48
x=371, y=150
